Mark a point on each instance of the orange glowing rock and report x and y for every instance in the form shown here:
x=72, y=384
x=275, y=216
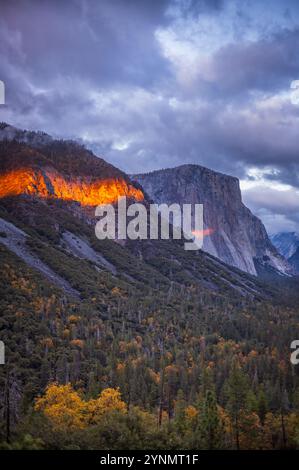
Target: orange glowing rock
x=48, y=183
x=203, y=233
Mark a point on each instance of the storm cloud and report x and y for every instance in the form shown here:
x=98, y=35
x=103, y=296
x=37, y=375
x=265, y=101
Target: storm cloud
x=150, y=85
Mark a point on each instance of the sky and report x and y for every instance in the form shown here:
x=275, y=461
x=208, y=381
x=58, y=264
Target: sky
x=150, y=84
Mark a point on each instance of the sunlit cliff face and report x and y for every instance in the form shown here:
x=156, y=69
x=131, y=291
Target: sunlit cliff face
x=48, y=183
x=203, y=233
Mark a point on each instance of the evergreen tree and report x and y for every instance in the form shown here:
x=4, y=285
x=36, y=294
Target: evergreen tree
x=262, y=406
x=179, y=412
x=237, y=391
x=210, y=427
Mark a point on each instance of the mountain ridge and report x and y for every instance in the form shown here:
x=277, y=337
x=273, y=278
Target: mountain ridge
x=286, y=242
x=50, y=170
x=52, y=213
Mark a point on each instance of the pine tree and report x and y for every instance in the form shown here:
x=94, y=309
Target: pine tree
x=179, y=412
x=210, y=428
x=262, y=406
x=237, y=391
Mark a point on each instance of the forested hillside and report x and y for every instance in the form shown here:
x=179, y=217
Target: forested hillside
x=136, y=345
x=184, y=357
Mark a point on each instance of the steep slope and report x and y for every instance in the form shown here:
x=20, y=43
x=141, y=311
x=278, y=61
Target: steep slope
x=58, y=169
x=118, y=336
x=286, y=243
x=15, y=240
x=294, y=260
x=63, y=239
x=49, y=192
x=236, y=236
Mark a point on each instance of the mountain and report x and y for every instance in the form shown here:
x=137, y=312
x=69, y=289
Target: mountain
x=294, y=260
x=51, y=187
x=235, y=235
x=35, y=164
x=286, y=243
x=141, y=318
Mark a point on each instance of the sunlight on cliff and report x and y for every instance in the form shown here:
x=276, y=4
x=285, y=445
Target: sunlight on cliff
x=203, y=233
x=51, y=184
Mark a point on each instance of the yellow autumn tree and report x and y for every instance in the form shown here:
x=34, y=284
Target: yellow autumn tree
x=191, y=413
x=62, y=406
x=108, y=400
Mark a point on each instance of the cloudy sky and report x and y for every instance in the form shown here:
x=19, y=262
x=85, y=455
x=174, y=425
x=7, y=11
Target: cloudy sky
x=152, y=84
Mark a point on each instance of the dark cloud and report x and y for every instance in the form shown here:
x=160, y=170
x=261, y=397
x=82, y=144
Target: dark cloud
x=268, y=64
x=103, y=42
x=214, y=94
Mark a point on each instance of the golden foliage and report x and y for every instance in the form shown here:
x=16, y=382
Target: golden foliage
x=62, y=406
x=109, y=400
x=191, y=412
x=74, y=318
x=79, y=343
x=116, y=291
x=66, y=410
x=66, y=333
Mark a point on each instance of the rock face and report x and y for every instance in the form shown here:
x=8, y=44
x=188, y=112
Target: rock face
x=294, y=261
x=286, y=243
x=35, y=164
x=236, y=236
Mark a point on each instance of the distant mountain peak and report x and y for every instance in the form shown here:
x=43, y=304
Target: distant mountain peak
x=286, y=243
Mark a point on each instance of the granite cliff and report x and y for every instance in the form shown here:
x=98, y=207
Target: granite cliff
x=235, y=235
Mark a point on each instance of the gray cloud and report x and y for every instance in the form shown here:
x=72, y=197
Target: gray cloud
x=279, y=209
x=267, y=64
x=96, y=71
